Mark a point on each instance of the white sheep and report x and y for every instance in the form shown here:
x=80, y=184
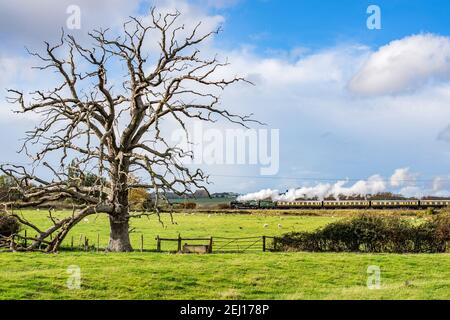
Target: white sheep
x=280, y=226
x=265, y=225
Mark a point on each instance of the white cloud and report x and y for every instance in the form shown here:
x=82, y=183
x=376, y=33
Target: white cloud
x=404, y=65
x=402, y=177
x=412, y=192
x=29, y=23
x=302, y=92
x=440, y=183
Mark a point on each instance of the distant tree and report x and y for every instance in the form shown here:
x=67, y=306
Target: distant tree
x=7, y=190
x=201, y=194
x=138, y=199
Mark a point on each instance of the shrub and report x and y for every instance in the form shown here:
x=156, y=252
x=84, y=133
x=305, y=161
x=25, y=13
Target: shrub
x=223, y=206
x=137, y=198
x=8, y=225
x=368, y=233
x=188, y=205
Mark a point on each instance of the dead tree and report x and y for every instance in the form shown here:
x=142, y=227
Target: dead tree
x=115, y=130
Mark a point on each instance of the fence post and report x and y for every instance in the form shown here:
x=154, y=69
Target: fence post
x=26, y=240
x=98, y=242
x=264, y=243
x=179, y=243
x=158, y=244
x=142, y=242
x=71, y=244
x=35, y=239
x=86, y=243
x=210, y=244
x=12, y=245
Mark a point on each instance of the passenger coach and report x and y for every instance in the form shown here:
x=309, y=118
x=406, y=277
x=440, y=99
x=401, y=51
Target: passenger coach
x=329, y=204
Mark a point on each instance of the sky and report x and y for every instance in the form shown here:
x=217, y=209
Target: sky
x=350, y=103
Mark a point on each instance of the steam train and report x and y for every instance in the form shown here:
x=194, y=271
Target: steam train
x=343, y=204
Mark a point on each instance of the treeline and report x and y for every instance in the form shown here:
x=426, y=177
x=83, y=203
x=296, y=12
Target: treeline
x=140, y=199
x=7, y=190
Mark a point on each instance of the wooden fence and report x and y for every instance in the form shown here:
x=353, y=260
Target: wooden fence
x=218, y=244
x=209, y=244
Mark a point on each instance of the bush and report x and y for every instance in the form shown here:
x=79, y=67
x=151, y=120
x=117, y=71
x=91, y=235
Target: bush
x=187, y=205
x=137, y=199
x=223, y=206
x=8, y=225
x=368, y=233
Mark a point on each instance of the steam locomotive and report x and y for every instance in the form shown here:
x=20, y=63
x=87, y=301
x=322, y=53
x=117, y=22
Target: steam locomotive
x=344, y=204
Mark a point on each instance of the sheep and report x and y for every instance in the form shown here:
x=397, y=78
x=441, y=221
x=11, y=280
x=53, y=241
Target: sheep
x=265, y=225
x=280, y=226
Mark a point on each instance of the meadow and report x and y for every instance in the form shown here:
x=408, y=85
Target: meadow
x=256, y=275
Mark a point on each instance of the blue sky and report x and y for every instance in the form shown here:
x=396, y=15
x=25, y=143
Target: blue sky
x=349, y=102
x=317, y=24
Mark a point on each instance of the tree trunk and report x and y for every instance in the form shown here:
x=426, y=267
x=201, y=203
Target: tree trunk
x=119, y=236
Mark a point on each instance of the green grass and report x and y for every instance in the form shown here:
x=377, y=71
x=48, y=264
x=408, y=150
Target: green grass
x=224, y=276
x=185, y=224
x=261, y=275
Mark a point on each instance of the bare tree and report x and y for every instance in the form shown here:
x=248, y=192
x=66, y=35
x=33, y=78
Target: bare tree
x=114, y=131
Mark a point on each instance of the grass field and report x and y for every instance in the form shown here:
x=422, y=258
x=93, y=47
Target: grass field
x=151, y=275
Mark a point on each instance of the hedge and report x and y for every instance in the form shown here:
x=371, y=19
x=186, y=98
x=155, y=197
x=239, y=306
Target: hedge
x=369, y=233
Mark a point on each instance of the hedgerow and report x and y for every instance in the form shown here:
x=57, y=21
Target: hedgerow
x=369, y=233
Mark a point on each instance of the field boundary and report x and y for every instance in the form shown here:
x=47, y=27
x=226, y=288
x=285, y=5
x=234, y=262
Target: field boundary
x=219, y=244
x=207, y=244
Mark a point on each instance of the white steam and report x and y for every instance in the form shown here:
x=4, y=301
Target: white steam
x=373, y=185
x=260, y=195
x=402, y=179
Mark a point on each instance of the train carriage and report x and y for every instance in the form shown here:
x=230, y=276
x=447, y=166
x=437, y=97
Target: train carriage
x=336, y=204
x=299, y=204
x=434, y=203
x=394, y=204
x=346, y=204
